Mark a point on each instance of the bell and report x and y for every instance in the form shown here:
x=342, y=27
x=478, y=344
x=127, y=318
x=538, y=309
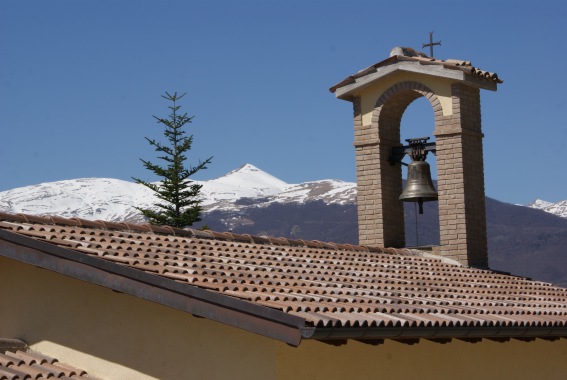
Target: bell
x=419, y=186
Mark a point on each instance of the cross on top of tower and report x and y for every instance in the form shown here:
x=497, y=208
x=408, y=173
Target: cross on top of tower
x=431, y=44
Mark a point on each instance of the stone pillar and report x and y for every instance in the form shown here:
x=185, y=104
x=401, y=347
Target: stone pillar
x=380, y=213
x=460, y=168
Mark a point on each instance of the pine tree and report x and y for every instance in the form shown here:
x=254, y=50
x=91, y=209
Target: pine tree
x=180, y=204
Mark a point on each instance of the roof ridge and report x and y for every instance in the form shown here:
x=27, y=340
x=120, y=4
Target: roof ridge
x=195, y=233
x=454, y=64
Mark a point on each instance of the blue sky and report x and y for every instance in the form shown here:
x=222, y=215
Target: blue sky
x=80, y=81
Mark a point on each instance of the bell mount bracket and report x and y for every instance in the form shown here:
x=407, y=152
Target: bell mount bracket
x=417, y=149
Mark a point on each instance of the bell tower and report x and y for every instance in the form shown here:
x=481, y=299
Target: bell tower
x=380, y=94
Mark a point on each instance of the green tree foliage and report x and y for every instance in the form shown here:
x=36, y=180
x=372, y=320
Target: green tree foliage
x=180, y=203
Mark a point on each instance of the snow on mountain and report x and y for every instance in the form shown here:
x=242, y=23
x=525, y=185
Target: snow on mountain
x=112, y=199
x=329, y=191
x=559, y=208
x=245, y=182
x=540, y=204
x=88, y=198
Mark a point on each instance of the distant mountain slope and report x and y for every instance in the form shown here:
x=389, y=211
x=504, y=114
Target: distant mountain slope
x=527, y=242
x=522, y=240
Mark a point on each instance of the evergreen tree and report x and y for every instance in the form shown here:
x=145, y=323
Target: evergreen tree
x=180, y=204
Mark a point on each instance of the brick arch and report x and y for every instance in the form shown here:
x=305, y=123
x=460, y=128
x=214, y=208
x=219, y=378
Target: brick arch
x=460, y=170
x=390, y=107
x=381, y=220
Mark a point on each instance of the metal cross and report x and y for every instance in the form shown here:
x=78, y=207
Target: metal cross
x=431, y=44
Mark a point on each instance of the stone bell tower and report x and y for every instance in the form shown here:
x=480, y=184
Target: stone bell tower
x=380, y=94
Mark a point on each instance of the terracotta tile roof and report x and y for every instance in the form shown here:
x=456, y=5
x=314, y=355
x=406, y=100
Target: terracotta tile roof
x=18, y=363
x=325, y=290
x=422, y=59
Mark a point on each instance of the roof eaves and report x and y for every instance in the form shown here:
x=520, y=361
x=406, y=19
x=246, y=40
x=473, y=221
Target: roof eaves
x=347, y=91
x=370, y=69
x=433, y=332
x=200, y=302
x=463, y=71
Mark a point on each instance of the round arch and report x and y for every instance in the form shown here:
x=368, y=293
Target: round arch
x=390, y=107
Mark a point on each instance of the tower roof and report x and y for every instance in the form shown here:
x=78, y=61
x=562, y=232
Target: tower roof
x=410, y=60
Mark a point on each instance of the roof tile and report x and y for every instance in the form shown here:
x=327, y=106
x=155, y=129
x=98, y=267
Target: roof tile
x=327, y=284
x=451, y=64
x=33, y=365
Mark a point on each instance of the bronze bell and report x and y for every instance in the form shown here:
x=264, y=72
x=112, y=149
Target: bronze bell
x=419, y=185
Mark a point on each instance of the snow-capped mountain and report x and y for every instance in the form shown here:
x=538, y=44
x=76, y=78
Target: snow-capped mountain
x=245, y=182
x=112, y=199
x=87, y=198
x=559, y=208
x=249, y=182
x=247, y=186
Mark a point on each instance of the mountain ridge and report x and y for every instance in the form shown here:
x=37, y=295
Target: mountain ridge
x=558, y=208
x=527, y=241
x=111, y=199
